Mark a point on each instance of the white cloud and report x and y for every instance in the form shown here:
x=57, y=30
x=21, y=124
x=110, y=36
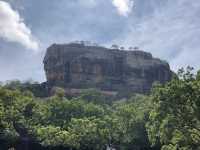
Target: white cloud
x=124, y=7
x=172, y=32
x=13, y=28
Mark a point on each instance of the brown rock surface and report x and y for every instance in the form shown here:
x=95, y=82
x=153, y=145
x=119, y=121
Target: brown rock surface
x=77, y=66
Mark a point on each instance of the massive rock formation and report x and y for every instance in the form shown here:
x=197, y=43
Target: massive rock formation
x=76, y=66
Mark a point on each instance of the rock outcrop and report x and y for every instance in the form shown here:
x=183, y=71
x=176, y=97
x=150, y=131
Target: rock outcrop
x=76, y=66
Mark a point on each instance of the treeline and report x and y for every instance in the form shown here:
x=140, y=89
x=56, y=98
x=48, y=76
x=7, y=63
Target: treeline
x=167, y=119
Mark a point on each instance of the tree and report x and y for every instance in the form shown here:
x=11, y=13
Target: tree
x=122, y=48
x=94, y=96
x=13, y=123
x=130, y=118
x=114, y=46
x=59, y=92
x=131, y=48
x=91, y=133
x=136, y=48
x=175, y=119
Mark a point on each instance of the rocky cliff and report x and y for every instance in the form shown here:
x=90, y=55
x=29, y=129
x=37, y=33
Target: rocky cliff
x=76, y=66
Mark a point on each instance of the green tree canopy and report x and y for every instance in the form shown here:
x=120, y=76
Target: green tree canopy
x=175, y=118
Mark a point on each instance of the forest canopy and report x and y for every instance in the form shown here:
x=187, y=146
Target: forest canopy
x=167, y=119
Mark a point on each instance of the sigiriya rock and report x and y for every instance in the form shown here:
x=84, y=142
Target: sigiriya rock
x=77, y=66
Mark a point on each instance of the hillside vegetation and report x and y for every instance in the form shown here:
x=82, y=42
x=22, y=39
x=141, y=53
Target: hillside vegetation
x=167, y=119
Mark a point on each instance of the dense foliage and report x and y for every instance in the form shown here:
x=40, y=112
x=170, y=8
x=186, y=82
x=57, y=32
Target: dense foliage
x=167, y=119
x=174, y=121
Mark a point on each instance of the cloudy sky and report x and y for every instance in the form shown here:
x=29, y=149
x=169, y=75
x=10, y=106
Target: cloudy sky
x=169, y=29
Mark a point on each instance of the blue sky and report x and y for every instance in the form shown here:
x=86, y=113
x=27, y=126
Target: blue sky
x=169, y=29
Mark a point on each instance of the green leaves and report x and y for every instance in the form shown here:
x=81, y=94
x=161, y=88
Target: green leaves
x=168, y=119
x=73, y=123
x=55, y=136
x=91, y=132
x=175, y=115
x=130, y=119
x=79, y=123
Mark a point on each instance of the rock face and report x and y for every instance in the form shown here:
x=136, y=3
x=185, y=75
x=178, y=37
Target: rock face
x=76, y=66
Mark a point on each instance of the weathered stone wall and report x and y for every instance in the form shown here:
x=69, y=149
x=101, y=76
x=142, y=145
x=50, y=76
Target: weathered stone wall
x=78, y=66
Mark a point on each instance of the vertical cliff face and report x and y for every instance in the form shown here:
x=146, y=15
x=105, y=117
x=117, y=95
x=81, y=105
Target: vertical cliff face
x=76, y=66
